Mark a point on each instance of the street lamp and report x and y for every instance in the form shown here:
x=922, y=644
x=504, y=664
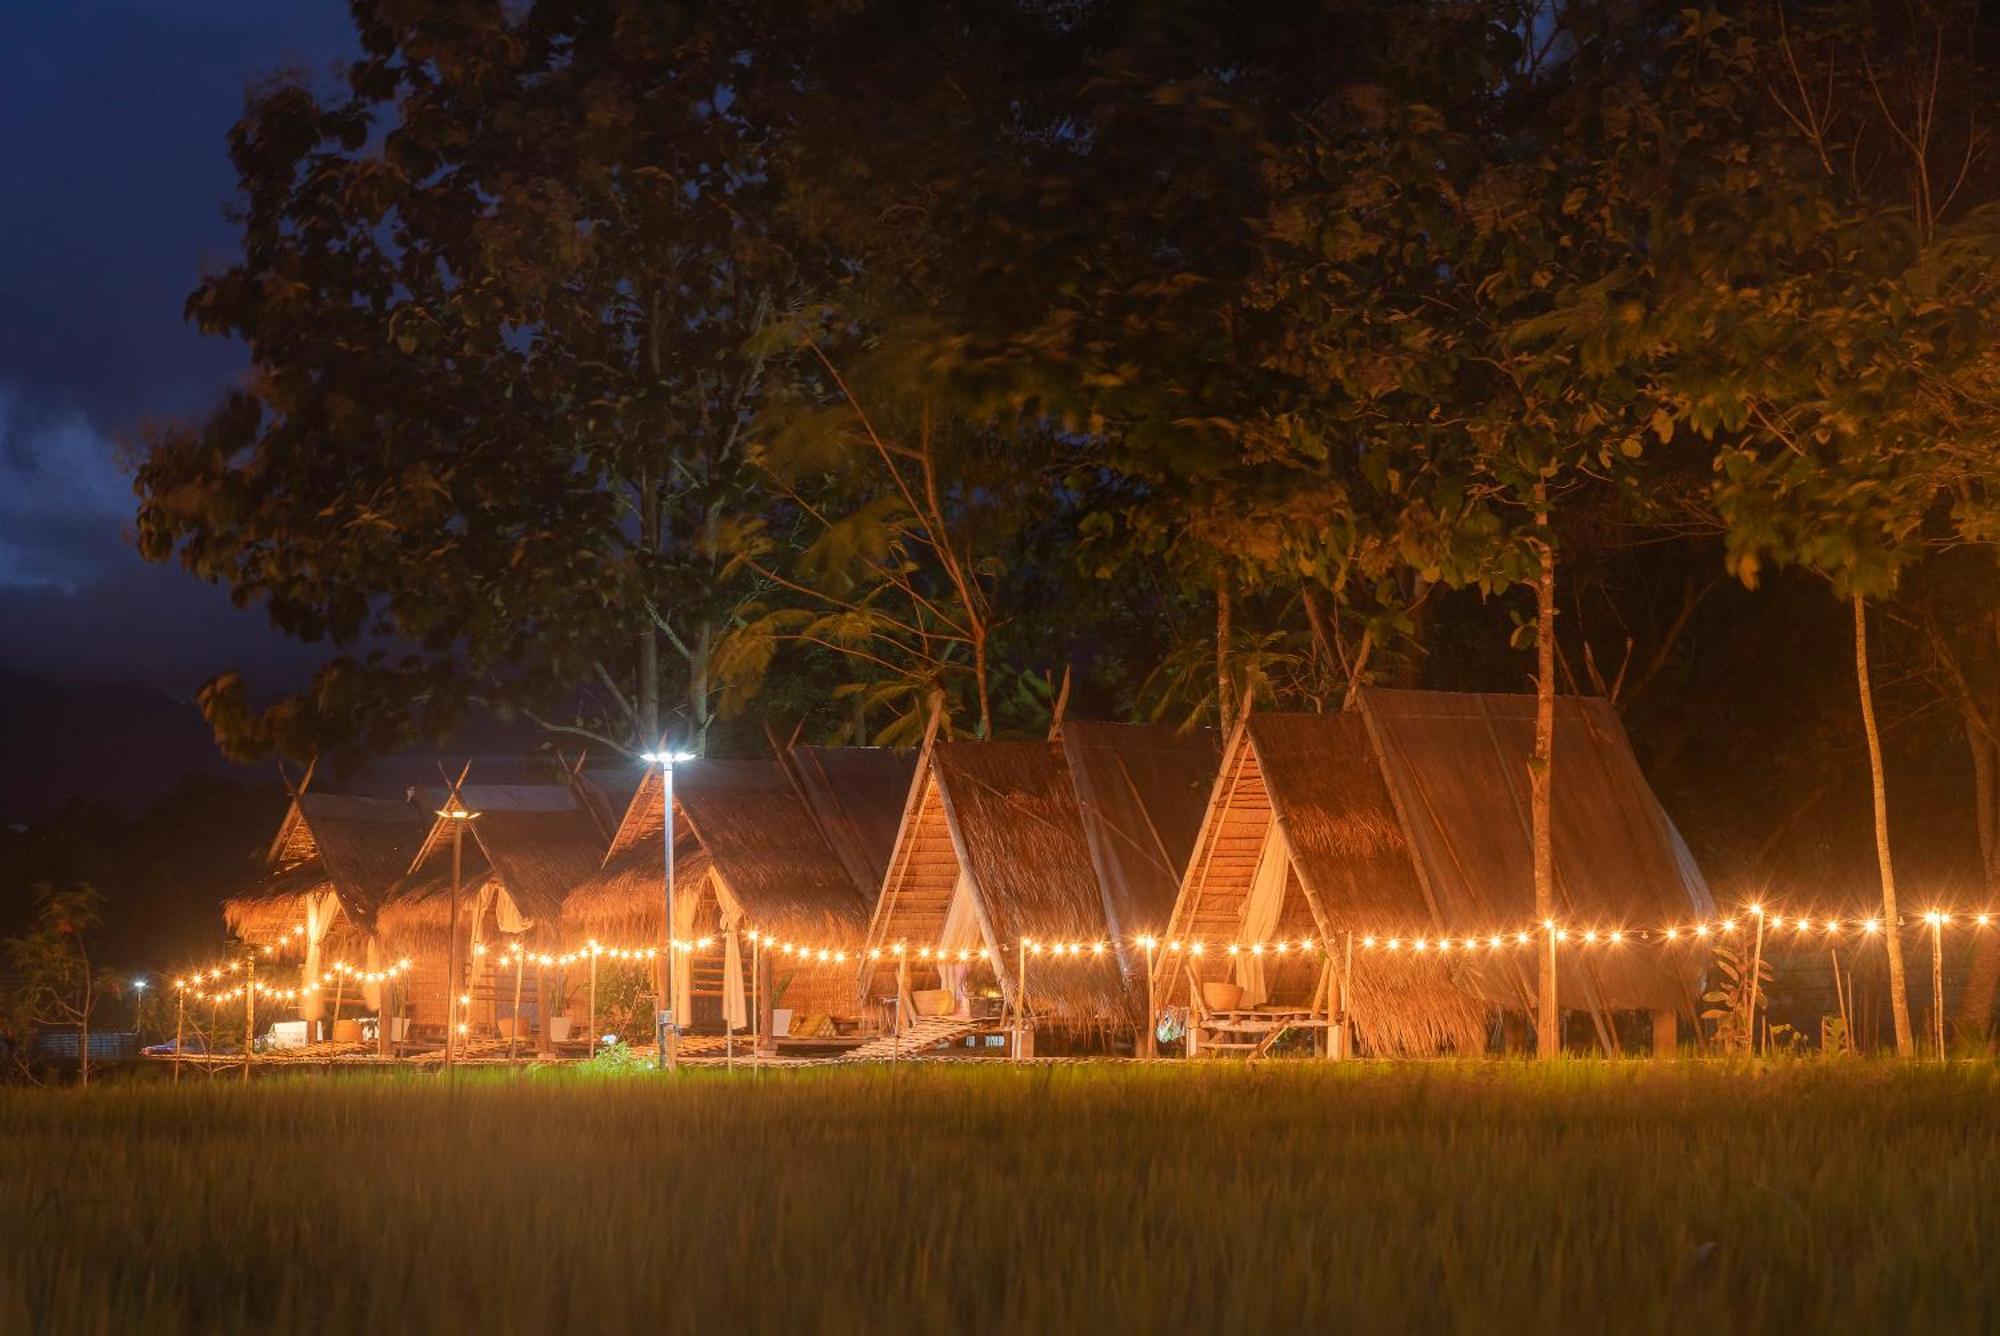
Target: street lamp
x=664, y=1026
x=456, y=813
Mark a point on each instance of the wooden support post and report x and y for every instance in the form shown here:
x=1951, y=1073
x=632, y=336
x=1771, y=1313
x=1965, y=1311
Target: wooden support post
x=514, y=1022
x=766, y=1001
x=180, y=1029
x=592, y=1036
x=902, y=990
x=1546, y=1009
x=1666, y=1033
x=1193, y=1043
x=1937, y=984
x=1020, y=997
x=249, y=1013
x=1841, y=993
x=544, y=1007
x=383, y=991
x=339, y=996
x=1756, y=970
x=1150, y=1042
x=1347, y=1043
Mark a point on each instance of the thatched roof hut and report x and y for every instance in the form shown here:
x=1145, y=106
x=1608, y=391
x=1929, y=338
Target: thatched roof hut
x=347, y=850
x=1141, y=792
x=856, y=795
x=520, y=855
x=750, y=827
x=791, y=849
x=1408, y=817
x=993, y=850
x=523, y=851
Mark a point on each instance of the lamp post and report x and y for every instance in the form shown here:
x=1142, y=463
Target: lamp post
x=454, y=811
x=665, y=1027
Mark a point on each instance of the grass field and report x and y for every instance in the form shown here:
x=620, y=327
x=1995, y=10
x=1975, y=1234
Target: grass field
x=1479, y=1197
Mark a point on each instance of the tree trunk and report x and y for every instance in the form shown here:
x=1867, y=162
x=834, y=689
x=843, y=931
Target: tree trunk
x=649, y=636
x=698, y=692
x=1548, y=1023
x=1899, y=997
x=1982, y=981
x=1225, y=694
x=979, y=680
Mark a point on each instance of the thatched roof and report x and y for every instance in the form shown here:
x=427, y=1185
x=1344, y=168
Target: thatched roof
x=1409, y=817
x=535, y=842
x=748, y=823
x=1141, y=791
x=355, y=847
x=857, y=795
x=1003, y=815
x=768, y=851
x=1457, y=765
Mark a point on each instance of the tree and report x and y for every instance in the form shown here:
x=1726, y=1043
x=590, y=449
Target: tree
x=1846, y=356
x=908, y=509
x=54, y=980
x=500, y=293
x=1471, y=258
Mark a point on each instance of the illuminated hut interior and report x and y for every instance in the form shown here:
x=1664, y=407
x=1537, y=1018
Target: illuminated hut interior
x=1408, y=818
x=332, y=862
x=522, y=847
x=993, y=851
x=788, y=850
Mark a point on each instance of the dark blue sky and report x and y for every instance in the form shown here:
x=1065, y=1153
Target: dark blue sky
x=114, y=178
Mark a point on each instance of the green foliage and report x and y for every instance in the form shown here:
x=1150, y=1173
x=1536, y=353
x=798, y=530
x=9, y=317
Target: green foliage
x=1738, y=997
x=615, y=1059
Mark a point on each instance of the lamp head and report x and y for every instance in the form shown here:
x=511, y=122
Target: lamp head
x=666, y=757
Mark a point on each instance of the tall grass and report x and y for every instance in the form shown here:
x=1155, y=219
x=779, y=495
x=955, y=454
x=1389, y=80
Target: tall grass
x=1373, y=1197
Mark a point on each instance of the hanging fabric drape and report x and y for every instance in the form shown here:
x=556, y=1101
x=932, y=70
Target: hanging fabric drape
x=320, y=911
x=1261, y=910
x=687, y=909
x=735, y=1008
x=961, y=933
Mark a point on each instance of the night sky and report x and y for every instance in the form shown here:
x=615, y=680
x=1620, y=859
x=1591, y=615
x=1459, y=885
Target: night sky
x=114, y=184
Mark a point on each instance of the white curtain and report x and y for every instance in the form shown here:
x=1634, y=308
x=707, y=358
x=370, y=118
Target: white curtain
x=1262, y=909
x=320, y=911
x=961, y=933
x=687, y=908
x=735, y=1008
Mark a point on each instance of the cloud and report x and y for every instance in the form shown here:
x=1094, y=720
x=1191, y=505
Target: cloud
x=64, y=498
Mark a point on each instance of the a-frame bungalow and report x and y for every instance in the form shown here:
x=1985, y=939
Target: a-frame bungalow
x=1406, y=821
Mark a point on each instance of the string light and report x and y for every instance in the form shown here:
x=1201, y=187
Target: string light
x=198, y=984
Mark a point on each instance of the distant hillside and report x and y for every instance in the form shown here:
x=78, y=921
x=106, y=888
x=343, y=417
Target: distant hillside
x=127, y=743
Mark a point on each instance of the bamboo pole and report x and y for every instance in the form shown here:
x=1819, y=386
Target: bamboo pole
x=249, y=1012
x=451, y=935
x=1347, y=997
x=1193, y=1044
x=1151, y=1046
x=1756, y=974
x=514, y=1022
x=1547, y=1012
x=1840, y=998
x=1020, y=995
x=1937, y=983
